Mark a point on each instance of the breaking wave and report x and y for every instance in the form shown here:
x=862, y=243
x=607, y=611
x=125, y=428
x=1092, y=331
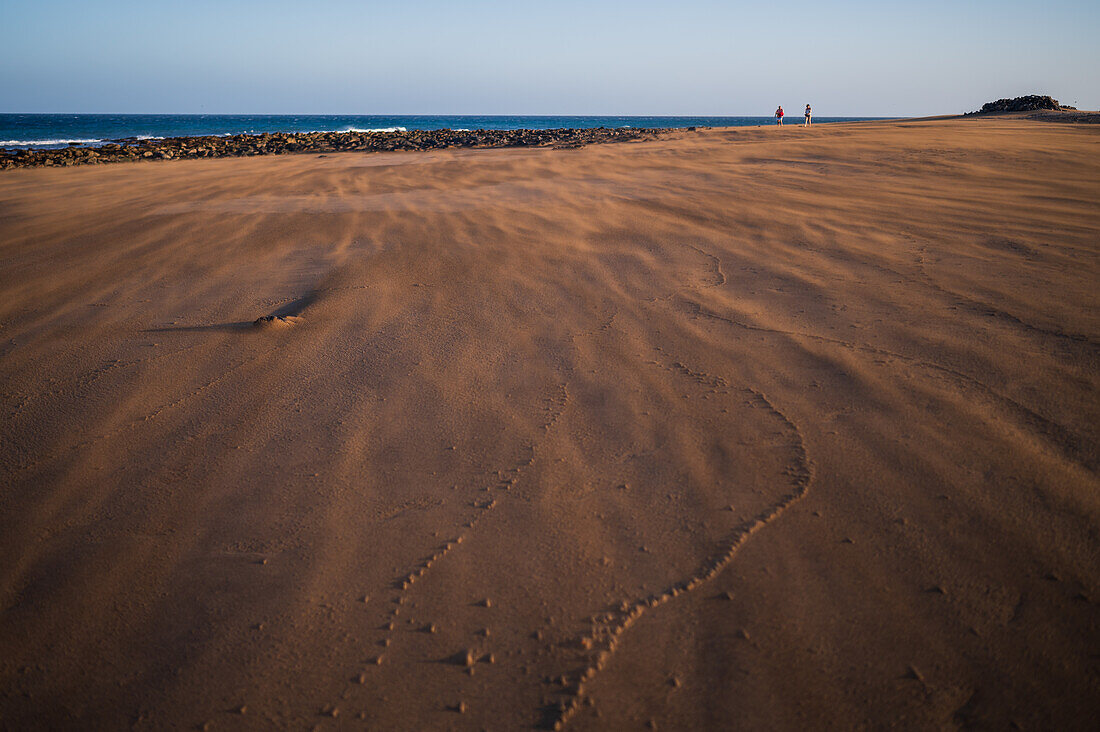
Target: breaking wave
x=46, y=143
x=373, y=129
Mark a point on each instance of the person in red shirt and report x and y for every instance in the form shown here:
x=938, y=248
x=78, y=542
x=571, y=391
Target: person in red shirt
x=779, y=116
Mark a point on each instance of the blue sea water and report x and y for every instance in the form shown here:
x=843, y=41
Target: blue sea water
x=45, y=131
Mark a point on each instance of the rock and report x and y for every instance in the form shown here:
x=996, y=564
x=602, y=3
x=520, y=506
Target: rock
x=280, y=143
x=1029, y=103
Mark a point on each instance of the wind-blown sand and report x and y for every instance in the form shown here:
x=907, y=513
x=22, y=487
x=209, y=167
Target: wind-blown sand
x=754, y=428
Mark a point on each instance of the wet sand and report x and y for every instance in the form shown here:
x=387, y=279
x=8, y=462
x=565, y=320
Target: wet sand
x=737, y=429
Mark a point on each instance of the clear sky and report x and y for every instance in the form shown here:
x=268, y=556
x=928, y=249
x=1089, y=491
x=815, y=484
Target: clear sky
x=847, y=57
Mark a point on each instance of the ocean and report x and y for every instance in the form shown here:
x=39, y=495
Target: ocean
x=46, y=131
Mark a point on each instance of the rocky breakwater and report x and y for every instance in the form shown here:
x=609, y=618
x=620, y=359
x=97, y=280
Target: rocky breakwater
x=281, y=143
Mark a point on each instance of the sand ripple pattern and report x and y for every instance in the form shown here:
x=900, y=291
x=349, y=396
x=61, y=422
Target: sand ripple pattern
x=502, y=438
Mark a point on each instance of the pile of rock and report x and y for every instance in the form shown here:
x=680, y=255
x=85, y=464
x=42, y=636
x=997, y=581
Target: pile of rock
x=1029, y=103
x=313, y=142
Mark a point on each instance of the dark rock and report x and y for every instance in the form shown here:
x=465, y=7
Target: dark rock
x=1029, y=103
x=129, y=149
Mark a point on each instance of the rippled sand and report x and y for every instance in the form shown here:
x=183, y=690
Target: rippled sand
x=751, y=428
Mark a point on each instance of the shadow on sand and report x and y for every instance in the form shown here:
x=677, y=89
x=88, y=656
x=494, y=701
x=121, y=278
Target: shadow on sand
x=292, y=309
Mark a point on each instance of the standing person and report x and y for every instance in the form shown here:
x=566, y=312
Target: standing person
x=779, y=116
x=807, y=122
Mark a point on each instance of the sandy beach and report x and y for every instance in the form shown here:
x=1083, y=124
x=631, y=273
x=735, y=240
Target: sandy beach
x=751, y=428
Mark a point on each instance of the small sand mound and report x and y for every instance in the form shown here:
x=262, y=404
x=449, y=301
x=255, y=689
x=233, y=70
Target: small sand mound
x=276, y=321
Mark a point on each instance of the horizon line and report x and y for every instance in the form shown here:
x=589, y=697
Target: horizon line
x=439, y=114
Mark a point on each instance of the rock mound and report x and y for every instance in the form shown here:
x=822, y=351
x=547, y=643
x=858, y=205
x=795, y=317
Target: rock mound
x=1030, y=103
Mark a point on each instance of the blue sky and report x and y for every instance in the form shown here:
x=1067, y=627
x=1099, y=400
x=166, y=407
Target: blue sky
x=847, y=57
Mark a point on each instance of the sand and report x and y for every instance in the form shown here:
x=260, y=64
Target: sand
x=734, y=429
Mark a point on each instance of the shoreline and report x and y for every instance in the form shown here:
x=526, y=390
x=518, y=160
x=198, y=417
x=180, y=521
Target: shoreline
x=57, y=131
x=128, y=149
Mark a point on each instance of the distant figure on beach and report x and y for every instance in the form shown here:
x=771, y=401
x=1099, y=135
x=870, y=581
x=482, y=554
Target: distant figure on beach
x=779, y=116
x=807, y=122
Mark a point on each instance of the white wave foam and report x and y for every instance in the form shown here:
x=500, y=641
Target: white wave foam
x=374, y=129
x=148, y=137
x=39, y=143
